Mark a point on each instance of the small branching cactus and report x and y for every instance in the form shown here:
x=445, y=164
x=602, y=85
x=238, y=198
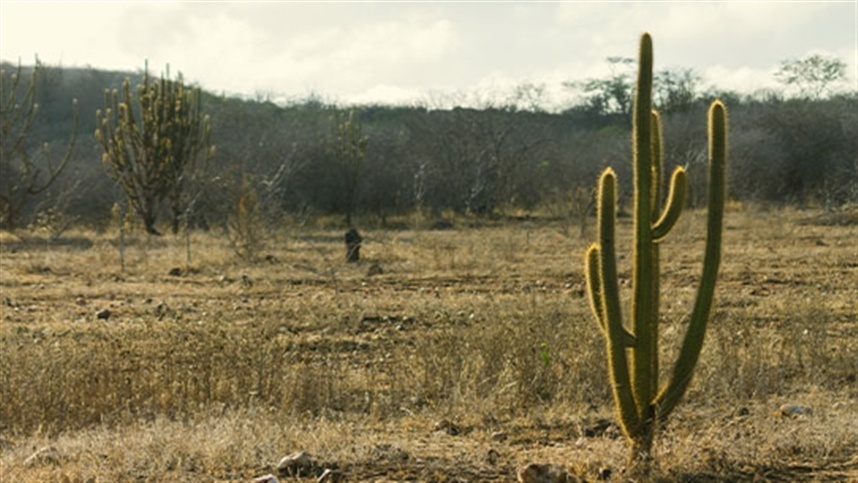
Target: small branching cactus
x=632, y=347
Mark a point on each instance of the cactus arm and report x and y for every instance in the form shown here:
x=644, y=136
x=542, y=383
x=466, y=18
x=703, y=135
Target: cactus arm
x=594, y=283
x=693, y=342
x=675, y=201
x=594, y=286
x=610, y=292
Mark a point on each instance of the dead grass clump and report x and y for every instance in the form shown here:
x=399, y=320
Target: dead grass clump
x=845, y=216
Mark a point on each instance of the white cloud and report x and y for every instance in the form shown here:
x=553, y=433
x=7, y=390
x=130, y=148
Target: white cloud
x=385, y=94
x=745, y=79
x=26, y=32
x=362, y=51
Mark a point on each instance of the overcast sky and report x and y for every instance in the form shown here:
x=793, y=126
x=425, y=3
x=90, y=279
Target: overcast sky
x=419, y=51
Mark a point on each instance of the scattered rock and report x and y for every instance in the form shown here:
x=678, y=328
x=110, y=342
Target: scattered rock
x=536, y=473
x=103, y=314
x=499, y=436
x=374, y=269
x=331, y=476
x=602, y=427
x=295, y=464
x=266, y=479
x=6, y=444
x=390, y=453
x=47, y=455
x=175, y=272
x=80, y=301
x=492, y=457
x=575, y=289
x=447, y=427
x=441, y=425
x=794, y=410
x=605, y=474
x=246, y=281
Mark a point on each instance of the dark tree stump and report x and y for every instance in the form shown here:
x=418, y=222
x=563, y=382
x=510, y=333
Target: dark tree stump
x=353, y=242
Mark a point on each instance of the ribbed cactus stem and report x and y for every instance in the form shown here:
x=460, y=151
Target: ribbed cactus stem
x=642, y=270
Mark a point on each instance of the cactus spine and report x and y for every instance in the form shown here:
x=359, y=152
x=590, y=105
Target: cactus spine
x=633, y=348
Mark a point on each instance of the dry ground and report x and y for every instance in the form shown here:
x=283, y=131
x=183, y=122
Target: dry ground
x=215, y=370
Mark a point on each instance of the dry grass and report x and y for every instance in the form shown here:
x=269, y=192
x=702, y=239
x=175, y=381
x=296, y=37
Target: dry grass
x=215, y=372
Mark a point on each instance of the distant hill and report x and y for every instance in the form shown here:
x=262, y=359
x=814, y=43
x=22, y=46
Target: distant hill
x=478, y=161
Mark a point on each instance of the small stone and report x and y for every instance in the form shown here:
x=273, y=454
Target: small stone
x=266, y=479
x=331, y=476
x=103, y=314
x=492, y=457
x=794, y=410
x=6, y=444
x=599, y=428
x=47, y=455
x=499, y=436
x=175, y=272
x=391, y=453
x=374, y=269
x=546, y=473
x=447, y=427
x=605, y=474
x=576, y=289
x=441, y=425
x=295, y=464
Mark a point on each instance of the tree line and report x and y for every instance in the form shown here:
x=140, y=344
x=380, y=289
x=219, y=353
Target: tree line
x=78, y=142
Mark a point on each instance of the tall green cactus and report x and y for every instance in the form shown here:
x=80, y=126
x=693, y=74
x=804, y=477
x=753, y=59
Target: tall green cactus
x=633, y=348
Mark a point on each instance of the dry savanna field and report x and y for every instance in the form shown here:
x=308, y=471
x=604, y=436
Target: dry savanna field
x=472, y=352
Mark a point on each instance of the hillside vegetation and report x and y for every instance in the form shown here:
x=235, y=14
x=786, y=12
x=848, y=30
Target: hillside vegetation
x=495, y=159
